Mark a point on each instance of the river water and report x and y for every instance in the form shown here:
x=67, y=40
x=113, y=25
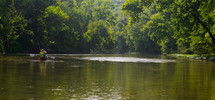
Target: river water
x=106, y=77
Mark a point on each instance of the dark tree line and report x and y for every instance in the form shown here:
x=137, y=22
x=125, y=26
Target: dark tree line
x=107, y=26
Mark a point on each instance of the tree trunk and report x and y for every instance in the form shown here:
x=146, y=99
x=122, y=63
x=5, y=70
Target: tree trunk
x=5, y=46
x=207, y=29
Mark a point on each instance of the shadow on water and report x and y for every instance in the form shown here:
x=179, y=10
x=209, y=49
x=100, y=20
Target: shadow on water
x=114, y=77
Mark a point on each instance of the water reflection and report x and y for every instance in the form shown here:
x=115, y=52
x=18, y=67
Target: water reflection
x=69, y=78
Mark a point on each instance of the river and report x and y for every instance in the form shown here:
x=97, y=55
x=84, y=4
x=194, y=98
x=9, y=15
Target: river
x=106, y=77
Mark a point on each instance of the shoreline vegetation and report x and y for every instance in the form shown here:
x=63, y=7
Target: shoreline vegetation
x=146, y=29
x=108, y=26
x=208, y=57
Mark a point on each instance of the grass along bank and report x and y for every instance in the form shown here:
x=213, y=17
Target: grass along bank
x=194, y=56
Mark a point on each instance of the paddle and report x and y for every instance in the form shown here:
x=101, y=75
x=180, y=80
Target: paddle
x=33, y=55
x=52, y=57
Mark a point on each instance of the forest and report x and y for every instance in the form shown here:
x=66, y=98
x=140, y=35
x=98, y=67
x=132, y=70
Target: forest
x=108, y=26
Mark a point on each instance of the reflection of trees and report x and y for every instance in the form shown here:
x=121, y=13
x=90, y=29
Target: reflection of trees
x=185, y=80
x=195, y=81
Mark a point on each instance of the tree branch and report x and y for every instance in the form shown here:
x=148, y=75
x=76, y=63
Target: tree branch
x=207, y=29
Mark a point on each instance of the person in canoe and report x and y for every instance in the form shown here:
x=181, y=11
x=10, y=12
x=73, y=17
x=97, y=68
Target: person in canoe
x=43, y=55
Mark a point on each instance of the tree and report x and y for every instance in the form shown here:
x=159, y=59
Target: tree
x=99, y=36
x=98, y=10
x=119, y=37
x=139, y=41
x=53, y=23
x=191, y=18
x=13, y=25
x=77, y=24
x=161, y=31
x=32, y=10
x=103, y=10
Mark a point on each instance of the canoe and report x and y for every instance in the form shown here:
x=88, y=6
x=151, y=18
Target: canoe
x=42, y=58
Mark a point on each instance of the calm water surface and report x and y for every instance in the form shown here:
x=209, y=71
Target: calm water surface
x=112, y=77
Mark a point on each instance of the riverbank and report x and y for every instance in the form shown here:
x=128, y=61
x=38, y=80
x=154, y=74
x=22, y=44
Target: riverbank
x=193, y=56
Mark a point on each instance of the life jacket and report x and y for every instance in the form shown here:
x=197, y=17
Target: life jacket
x=42, y=54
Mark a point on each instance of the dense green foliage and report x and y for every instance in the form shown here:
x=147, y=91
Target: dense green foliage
x=107, y=26
x=99, y=36
x=184, y=26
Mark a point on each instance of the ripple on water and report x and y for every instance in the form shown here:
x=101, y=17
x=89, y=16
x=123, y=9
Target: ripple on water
x=127, y=59
x=60, y=61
